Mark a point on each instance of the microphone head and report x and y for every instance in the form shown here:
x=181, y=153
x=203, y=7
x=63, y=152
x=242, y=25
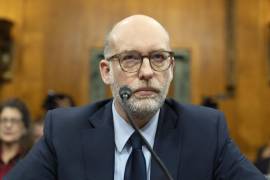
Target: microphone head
x=125, y=92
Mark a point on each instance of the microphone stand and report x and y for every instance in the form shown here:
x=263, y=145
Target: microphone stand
x=125, y=97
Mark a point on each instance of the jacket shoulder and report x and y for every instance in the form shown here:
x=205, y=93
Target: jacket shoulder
x=73, y=118
x=195, y=111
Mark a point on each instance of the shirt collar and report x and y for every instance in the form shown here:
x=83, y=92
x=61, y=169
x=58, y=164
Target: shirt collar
x=124, y=130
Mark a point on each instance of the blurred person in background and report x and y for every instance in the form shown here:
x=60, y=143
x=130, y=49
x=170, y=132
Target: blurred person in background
x=15, y=138
x=57, y=100
x=38, y=126
x=209, y=102
x=52, y=101
x=263, y=159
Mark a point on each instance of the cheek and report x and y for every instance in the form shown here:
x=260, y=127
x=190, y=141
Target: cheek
x=165, y=78
x=16, y=135
x=169, y=75
x=20, y=131
x=122, y=78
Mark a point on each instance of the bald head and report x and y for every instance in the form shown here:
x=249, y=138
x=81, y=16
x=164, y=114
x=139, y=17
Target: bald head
x=137, y=32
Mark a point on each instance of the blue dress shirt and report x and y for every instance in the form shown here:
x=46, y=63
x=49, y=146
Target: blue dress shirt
x=123, y=131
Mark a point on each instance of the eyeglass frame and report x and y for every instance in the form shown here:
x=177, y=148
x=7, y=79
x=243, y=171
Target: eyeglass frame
x=117, y=56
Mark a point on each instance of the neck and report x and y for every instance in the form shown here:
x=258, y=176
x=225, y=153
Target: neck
x=9, y=151
x=141, y=119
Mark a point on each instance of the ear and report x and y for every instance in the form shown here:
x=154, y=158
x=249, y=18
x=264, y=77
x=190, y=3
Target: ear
x=105, y=71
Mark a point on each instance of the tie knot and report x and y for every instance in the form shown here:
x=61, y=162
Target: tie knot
x=136, y=141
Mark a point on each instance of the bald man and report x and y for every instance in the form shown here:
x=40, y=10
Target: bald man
x=97, y=142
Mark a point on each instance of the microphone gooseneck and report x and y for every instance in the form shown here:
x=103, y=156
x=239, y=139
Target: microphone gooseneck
x=125, y=93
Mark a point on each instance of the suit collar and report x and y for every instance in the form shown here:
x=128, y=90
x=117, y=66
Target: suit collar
x=99, y=146
x=167, y=142
x=102, y=117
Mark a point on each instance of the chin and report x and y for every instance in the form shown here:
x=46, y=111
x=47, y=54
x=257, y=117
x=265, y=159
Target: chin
x=9, y=140
x=146, y=105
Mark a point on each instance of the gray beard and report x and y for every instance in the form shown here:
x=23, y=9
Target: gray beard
x=143, y=108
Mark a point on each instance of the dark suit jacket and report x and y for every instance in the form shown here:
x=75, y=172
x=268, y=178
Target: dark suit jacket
x=78, y=144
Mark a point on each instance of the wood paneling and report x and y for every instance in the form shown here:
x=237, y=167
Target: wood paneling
x=252, y=100
x=54, y=38
x=27, y=69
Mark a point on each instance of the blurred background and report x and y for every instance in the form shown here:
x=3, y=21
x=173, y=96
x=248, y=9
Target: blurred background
x=224, y=45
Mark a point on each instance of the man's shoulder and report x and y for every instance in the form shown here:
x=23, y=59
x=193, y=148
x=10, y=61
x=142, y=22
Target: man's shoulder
x=182, y=108
x=77, y=115
x=194, y=114
x=89, y=108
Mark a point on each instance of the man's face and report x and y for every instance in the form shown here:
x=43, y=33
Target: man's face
x=149, y=87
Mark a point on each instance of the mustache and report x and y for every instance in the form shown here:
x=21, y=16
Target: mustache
x=154, y=89
x=145, y=87
x=136, y=86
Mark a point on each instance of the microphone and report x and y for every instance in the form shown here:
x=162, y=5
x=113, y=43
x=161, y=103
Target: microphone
x=125, y=93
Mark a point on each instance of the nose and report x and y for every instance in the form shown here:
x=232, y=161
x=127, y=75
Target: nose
x=146, y=72
x=8, y=124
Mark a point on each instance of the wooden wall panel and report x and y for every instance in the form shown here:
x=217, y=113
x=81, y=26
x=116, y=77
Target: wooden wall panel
x=253, y=90
x=27, y=82
x=54, y=39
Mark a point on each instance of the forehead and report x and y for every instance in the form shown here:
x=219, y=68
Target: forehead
x=141, y=35
x=11, y=112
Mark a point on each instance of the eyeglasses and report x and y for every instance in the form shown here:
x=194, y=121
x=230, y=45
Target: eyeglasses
x=10, y=120
x=131, y=61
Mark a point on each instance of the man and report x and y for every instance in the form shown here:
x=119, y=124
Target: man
x=96, y=142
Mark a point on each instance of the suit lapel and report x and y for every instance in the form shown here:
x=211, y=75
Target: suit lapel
x=167, y=144
x=99, y=146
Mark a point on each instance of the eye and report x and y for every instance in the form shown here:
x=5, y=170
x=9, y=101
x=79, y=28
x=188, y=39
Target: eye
x=3, y=120
x=130, y=60
x=159, y=56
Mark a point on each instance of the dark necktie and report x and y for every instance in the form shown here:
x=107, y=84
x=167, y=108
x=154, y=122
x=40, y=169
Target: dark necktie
x=136, y=166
